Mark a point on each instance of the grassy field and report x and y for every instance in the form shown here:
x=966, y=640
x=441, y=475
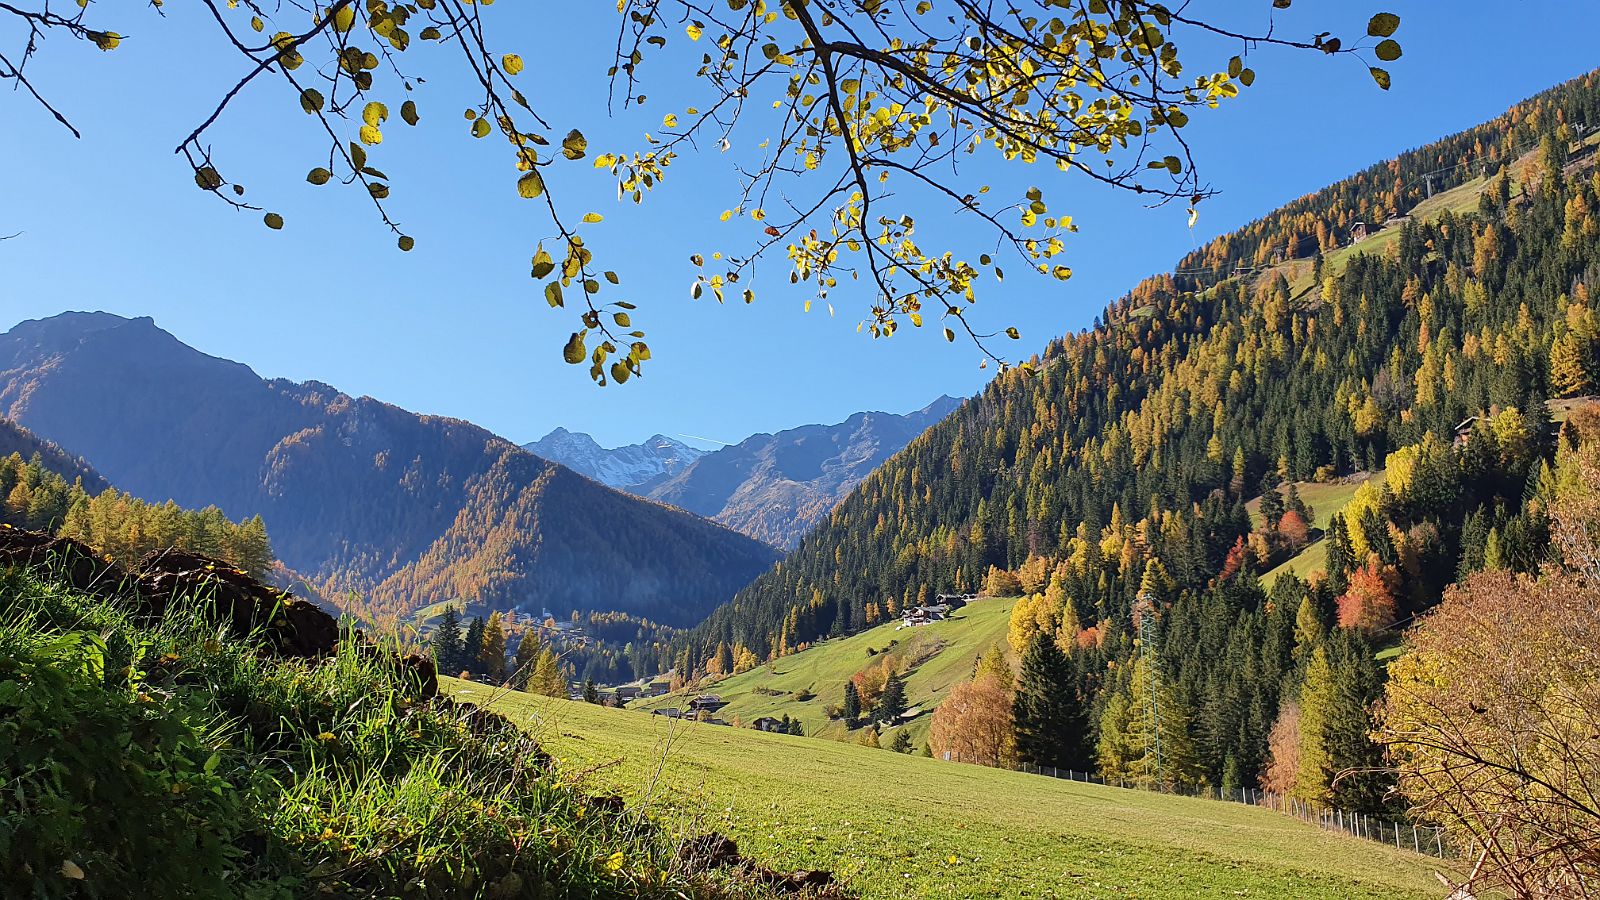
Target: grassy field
x=1325, y=500
x=897, y=826
x=823, y=669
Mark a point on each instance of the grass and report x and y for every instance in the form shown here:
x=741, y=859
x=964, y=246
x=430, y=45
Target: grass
x=1325, y=499
x=898, y=826
x=823, y=669
x=219, y=771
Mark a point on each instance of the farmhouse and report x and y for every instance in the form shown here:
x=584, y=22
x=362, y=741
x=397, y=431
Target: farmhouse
x=922, y=615
x=671, y=713
x=767, y=723
x=709, y=703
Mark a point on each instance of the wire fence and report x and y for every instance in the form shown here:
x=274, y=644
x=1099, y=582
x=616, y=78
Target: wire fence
x=1428, y=840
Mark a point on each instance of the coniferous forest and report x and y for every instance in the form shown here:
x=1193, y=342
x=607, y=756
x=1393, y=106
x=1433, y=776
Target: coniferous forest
x=1113, y=483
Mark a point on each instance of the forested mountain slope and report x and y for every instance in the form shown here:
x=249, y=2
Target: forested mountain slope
x=24, y=443
x=361, y=496
x=1122, y=468
x=775, y=487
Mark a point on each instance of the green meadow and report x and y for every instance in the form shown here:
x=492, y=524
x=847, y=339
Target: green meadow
x=897, y=826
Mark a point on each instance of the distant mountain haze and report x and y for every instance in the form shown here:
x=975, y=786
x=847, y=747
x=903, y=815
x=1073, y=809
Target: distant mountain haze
x=772, y=487
x=775, y=487
x=361, y=496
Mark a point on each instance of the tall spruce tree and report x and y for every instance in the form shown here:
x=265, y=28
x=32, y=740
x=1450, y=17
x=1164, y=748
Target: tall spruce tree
x=446, y=642
x=472, y=647
x=1051, y=723
x=852, y=704
x=892, y=702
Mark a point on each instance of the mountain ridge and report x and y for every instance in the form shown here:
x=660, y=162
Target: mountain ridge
x=625, y=467
x=360, y=495
x=775, y=487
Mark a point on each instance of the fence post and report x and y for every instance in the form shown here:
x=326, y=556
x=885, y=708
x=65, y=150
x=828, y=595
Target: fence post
x=1415, y=847
x=1438, y=840
x=1397, y=835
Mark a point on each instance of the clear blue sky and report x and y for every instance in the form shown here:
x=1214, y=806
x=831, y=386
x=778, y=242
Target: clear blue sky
x=456, y=327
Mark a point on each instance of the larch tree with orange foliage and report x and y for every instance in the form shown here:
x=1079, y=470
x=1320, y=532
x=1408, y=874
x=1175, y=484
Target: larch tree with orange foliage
x=974, y=724
x=1368, y=604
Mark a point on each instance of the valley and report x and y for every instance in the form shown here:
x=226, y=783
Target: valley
x=1307, y=520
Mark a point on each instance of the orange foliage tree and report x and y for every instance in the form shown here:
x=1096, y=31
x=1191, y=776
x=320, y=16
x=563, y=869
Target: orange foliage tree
x=1292, y=529
x=974, y=724
x=1368, y=603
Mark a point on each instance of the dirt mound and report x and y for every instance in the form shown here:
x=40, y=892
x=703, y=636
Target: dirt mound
x=718, y=851
x=287, y=625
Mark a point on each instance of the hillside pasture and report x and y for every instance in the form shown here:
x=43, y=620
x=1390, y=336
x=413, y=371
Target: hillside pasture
x=899, y=826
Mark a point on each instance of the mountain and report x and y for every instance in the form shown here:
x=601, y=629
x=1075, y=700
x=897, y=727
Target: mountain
x=1416, y=318
x=16, y=439
x=360, y=496
x=775, y=487
x=624, y=468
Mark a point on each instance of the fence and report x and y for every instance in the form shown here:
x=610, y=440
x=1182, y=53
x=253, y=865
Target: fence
x=1425, y=839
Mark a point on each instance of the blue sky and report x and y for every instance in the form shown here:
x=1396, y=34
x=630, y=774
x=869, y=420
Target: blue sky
x=456, y=327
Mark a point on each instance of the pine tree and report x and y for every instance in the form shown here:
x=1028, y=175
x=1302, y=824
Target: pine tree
x=1341, y=555
x=446, y=641
x=852, y=704
x=901, y=742
x=472, y=647
x=892, y=702
x=1050, y=721
x=591, y=694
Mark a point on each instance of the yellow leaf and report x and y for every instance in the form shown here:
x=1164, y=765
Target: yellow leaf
x=375, y=114
x=345, y=18
x=592, y=218
x=530, y=186
x=371, y=135
x=512, y=63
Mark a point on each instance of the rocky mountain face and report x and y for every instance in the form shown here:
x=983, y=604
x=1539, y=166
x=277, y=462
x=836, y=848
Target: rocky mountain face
x=775, y=487
x=633, y=468
x=384, y=510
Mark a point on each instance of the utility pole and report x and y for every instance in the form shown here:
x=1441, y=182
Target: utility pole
x=1143, y=613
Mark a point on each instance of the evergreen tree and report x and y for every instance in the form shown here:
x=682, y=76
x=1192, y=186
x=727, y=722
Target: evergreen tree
x=591, y=694
x=1050, y=721
x=892, y=702
x=1341, y=556
x=446, y=642
x=901, y=742
x=472, y=647
x=852, y=704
